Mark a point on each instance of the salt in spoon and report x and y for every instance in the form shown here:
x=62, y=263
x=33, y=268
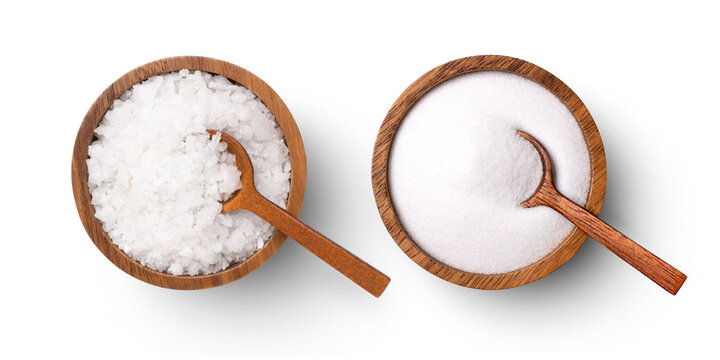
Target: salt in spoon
x=248, y=198
x=668, y=277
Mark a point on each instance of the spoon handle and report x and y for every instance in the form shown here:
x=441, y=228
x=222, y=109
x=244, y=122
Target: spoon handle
x=662, y=273
x=369, y=278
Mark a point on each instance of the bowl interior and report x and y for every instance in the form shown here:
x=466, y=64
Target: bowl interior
x=86, y=136
x=407, y=99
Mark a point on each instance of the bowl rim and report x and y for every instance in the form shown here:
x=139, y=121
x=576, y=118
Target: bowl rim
x=383, y=144
x=85, y=136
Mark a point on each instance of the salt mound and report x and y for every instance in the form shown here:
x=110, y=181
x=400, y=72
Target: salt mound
x=157, y=178
x=458, y=171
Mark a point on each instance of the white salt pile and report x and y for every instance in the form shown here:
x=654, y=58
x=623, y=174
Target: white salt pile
x=157, y=179
x=458, y=172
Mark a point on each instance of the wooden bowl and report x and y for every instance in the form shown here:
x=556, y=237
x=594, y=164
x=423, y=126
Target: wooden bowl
x=407, y=99
x=86, y=136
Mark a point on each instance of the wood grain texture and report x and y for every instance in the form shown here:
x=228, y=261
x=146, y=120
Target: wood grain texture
x=657, y=270
x=85, y=137
x=407, y=99
x=248, y=198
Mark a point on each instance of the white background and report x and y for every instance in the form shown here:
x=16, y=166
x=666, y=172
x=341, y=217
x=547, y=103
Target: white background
x=646, y=71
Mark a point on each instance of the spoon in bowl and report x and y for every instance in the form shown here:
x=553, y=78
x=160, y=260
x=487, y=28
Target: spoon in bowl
x=248, y=198
x=668, y=277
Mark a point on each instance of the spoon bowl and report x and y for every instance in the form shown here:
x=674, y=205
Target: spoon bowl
x=244, y=164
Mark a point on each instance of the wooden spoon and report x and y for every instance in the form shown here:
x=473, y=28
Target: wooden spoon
x=668, y=277
x=249, y=198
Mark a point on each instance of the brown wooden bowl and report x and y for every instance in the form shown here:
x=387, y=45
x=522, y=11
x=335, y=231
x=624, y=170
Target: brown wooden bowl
x=407, y=99
x=86, y=136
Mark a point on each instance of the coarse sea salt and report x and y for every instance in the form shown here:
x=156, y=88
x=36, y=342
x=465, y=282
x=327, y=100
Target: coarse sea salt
x=458, y=171
x=157, y=178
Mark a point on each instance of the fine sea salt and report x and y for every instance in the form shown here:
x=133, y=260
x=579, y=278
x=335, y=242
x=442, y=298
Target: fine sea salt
x=157, y=178
x=458, y=171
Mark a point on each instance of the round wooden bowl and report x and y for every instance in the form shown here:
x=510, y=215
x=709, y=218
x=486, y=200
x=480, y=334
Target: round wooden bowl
x=86, y=136
x=534, y=271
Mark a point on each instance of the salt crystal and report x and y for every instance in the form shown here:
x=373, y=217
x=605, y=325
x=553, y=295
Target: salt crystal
x=156, y=177
x=458, y=171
